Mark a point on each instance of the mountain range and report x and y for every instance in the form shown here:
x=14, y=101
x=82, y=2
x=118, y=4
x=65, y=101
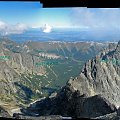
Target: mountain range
x=94, y=94
x=22, y=82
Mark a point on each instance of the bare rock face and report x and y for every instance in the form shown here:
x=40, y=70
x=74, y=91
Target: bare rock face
x=98, y=87
x=76, y=105
x=4, y=113
x=70, y=103
x=118, y=111
x=101, y=76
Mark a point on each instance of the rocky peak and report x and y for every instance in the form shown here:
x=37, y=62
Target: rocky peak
x=101, y=76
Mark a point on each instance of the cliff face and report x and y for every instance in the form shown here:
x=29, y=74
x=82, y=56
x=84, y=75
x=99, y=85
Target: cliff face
x=95, y=92
x=101, y=76
x=11, y=69
x=14, y=70
x=69, y=103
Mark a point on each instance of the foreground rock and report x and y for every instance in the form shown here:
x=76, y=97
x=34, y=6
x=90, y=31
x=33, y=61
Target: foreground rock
x=71, y=103
x=52, y=117
x=4, y=113
x=111, y=116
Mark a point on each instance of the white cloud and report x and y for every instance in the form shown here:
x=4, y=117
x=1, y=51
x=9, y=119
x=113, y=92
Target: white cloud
x=12, y=29
x=96, y=18
x=35, y=26
x=101, y=23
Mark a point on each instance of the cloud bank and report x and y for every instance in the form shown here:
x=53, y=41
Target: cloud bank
x=6, y=29
x=100, y=22
x=96, y=18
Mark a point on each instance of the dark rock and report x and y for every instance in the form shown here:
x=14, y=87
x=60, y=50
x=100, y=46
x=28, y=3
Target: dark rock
x=93, y=106
x=111, y=116
x=50, y=117
x=118, y=111
x=73, y=104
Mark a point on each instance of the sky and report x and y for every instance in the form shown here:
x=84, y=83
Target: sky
x=18, y=16
x=31, y=14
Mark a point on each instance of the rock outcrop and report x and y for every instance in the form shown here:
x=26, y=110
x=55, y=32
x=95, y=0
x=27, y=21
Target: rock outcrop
x=71, y=103
x=101, y=76
x=4, y=113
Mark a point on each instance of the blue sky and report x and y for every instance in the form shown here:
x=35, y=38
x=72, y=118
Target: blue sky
x=19, y=12
x=33, y=15
x=30, y=13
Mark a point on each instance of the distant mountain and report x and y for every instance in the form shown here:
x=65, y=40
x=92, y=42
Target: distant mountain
x=95, y=93
x=65, y=34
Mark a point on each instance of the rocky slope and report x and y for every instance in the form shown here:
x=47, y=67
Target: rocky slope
x=12, y=70
x=94, y=93
x=4, y=113
x=99, y=77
